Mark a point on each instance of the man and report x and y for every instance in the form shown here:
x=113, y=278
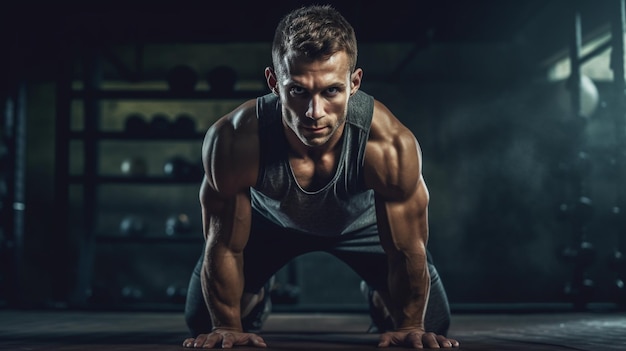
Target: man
x=316, y=165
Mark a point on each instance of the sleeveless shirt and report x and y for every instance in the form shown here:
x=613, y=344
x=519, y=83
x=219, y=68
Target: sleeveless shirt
x=343, y=205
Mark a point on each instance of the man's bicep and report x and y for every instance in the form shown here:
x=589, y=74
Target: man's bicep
x=403, y=224
x=226, y=219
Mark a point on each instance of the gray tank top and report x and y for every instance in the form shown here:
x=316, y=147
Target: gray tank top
x=343, y=205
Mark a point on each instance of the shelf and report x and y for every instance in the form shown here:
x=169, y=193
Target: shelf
x=165, y=95
x=137, y=136
x=120, y=239
x=146, y=180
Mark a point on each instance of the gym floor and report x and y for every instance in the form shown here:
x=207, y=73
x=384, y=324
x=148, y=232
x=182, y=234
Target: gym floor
x=156, y=331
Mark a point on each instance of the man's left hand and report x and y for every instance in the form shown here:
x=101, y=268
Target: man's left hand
x=416, y=339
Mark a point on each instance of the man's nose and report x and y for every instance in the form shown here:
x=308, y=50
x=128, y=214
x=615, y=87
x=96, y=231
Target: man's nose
x=316, y=108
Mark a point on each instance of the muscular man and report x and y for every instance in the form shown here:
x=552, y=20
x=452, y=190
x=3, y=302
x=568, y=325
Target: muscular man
x=316, y=165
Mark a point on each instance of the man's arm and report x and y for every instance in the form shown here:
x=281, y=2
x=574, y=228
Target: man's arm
x=230, y=158
x=403, y=227
x=402, y=216
x=393, y=169
x=226, y=224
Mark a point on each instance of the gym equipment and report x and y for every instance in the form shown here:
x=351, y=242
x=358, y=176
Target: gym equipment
x=617, y=261
x=583, y=210
x=177, y=224
x=618, y=291
x=184, y=124
x=4, y=158
x=132, y=225
x=98, y=293
x=135, y=123
x=583, y=255
x=589, y=96
x=131, y=293
x=222, y=80
x=176, y=293
x=4, y=187
x=160, y=124
x=285, y=293
x=182, y=79
x=580, y=291
x=563, y=212
x=134, y=167
x=178, y=167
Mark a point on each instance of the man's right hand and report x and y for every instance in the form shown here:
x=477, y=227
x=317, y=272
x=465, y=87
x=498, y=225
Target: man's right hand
x=224, y=338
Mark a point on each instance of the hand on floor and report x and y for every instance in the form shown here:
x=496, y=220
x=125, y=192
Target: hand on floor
x=224, y=338
x=416, y=339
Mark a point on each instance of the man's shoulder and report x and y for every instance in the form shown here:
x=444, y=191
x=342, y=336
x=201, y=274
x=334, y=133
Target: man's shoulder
x=237, y=128
x=239, y=119
x=385, y=124
x=231, y=147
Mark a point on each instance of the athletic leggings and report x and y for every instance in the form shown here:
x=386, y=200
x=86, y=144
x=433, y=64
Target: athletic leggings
x=271, y=247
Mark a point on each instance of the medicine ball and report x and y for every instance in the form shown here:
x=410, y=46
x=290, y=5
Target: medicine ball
x=182, y=79
x=184, y=124
x=135, y=123
x=160, y=124
x=222, y=79
x=177, y=225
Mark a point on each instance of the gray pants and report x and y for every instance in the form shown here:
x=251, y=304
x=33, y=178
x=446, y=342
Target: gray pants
x=271, y=247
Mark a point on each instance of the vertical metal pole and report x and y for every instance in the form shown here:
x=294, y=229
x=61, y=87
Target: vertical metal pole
x=14, y=202
x=581, y=288
x=19, y=182
x=91, y=116
x=575, y=75
x=618, y=41
x=618, y=66
x=60, y=240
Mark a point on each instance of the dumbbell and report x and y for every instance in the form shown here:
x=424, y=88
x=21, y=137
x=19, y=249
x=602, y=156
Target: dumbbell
x=618, y=291
x=180, y=168
x=131, y=293
x=583, y=209
x=579, y=292
x=583, y=255
x=176, y=293
x=617, y=261
x=132, y=225
x=177, y=225
x=134, y=167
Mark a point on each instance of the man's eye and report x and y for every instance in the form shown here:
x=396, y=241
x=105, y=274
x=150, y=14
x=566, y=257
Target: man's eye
x=332, y=91
x=297, y=90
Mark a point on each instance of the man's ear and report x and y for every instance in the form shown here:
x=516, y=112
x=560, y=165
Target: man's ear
x=355, y=80
x=270, y=78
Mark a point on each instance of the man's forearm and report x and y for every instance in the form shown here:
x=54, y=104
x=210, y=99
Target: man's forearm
x=222, y=284
x=409, y=285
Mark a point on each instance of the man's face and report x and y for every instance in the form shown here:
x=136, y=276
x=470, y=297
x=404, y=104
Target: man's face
x=314, y=96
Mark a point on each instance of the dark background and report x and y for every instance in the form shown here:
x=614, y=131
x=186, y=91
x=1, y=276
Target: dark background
x=516, y=175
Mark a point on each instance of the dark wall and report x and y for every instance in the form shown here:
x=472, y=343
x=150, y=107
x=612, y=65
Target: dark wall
x=499, y=141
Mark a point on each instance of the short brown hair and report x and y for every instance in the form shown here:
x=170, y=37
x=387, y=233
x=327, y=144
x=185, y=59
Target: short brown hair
x=314, y=32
